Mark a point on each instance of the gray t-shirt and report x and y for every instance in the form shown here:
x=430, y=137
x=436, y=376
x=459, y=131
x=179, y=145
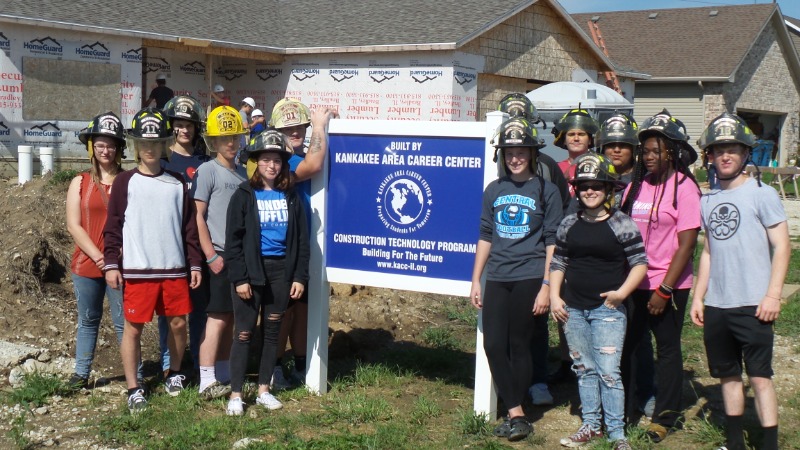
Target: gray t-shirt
x=736, y=222
x=519, y=220
x=214, y=185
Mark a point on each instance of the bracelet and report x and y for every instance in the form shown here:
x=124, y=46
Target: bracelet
x=666, y=289
x=662, y=294
x=546, y=282
x=769, y=296
x=212, y=259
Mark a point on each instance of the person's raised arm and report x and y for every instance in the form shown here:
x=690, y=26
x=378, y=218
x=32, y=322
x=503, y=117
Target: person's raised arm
x=318, y=147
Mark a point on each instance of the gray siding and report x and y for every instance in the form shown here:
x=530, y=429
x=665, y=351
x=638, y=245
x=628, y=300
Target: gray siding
x=683, y=100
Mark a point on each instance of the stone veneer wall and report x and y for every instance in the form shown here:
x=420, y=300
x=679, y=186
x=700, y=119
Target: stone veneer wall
x=535, y=44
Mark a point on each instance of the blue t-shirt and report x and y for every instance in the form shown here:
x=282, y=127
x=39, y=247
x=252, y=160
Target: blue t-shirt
x=273, y=215
x=257, y=129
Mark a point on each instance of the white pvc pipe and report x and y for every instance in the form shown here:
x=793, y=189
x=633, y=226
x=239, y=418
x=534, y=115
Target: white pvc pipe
x=46, y=157
x=25, y=163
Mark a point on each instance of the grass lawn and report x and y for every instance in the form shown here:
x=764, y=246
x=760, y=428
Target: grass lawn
x=407, y=396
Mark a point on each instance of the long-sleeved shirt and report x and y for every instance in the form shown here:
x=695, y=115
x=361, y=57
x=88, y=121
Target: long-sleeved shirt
x=151, y=221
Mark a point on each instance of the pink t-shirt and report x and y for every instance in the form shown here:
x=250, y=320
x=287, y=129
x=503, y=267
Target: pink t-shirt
x=660, y=229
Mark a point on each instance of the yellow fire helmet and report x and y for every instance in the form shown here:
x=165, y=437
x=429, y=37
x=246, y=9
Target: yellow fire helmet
x=290, y=112
x=224, y=121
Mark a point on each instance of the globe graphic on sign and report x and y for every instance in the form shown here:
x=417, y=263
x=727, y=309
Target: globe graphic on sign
x=403, y=201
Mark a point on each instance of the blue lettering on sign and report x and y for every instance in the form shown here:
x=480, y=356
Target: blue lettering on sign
x=416, y=214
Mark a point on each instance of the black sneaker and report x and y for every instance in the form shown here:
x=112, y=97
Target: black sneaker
x=174, y=384
x=136, y=402
x=78, y=382
x=503, y=429
x=520, y=429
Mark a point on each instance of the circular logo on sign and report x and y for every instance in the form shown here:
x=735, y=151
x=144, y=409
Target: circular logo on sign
x=404, y=201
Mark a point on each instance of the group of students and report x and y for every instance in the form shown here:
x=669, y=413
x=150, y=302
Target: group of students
x=225, y=241
x=614, y=263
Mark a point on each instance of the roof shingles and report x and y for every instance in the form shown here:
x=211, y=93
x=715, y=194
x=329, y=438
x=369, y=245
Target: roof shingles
x=685, y=43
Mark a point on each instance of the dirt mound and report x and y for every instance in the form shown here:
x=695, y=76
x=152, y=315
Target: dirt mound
x=37, y=304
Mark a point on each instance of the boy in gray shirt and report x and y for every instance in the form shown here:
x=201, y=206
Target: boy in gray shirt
x=742, y=297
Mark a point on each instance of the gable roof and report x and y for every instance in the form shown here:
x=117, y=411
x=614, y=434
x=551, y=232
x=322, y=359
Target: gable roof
x=793, y=26
x=288, y=27
x=685, y=43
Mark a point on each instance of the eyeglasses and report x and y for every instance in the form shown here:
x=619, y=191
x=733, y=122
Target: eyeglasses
x=104, y=147
x=597, y=187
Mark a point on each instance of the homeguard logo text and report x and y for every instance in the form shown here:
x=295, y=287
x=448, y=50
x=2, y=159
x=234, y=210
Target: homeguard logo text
x=340, y=75
x=404, y=201
x=513, y=220
x=45, y=46
x=93, y=51
x=156, y=65
x=266, y=74
x=379, y=76
x=194, y=68
x=230, y=73
x=463, y=78
x=4, y=130
x=304, y=74
x=133, y=55
x=422, y=76
x=47, y=129
x=5, y=43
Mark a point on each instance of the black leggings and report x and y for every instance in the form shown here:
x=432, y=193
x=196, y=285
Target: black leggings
x=270, y=302
x=507, y=329
x=666, y=328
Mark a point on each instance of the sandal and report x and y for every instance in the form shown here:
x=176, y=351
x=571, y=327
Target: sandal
x=504, y=429
x=657, y=433
x=520, y=429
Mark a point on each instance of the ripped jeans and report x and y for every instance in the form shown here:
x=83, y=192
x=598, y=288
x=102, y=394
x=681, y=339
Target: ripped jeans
x=595, y=338
x=269, y=304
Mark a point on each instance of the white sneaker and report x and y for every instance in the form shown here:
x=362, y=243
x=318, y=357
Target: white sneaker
x=279, y=382
x=235, y=407
x=540, y=395
x=269, y=401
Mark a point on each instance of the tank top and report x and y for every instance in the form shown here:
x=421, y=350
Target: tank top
x=94, y=208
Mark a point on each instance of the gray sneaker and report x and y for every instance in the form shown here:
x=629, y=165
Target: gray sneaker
x=136, y=402
x=540, y=395
x=215, y=390
x=174, y=384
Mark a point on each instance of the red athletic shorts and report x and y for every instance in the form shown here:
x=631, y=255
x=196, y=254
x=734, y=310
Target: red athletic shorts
x=167, y=297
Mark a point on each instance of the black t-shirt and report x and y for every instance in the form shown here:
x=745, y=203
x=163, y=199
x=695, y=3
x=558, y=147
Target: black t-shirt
x=162, y=94
x=597, y=263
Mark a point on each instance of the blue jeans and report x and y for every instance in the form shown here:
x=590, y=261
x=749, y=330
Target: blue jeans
x=89, y=293
x=595, y=338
